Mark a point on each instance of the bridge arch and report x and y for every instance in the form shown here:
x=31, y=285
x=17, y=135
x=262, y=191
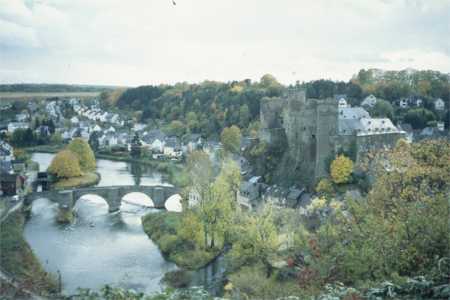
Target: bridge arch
x=111, y=194
x=173, y=203
x=138, y=198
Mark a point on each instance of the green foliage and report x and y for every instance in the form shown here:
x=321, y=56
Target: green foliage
x=176, y=128
x=179, y=245
x=419, y=117
x=231, y=139
x=65, y=164
x=23, y=138
x=256, y=241
x=382, y=109
x=84, y=153
x=114, y=293
x=325, y=187
x=94, y=142
x=401, y=229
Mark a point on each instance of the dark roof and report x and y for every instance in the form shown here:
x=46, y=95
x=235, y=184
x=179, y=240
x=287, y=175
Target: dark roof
x=172, y=142
x=194, y=137
x=153, y=135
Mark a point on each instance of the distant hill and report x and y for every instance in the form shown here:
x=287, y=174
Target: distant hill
x=52, y=88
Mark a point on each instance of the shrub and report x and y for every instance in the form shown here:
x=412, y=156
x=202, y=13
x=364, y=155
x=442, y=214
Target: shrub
x=167, y=243
x=178, y=278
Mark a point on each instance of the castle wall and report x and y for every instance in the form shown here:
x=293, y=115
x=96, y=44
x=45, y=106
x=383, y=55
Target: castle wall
x=366, y=143
x=327, y=120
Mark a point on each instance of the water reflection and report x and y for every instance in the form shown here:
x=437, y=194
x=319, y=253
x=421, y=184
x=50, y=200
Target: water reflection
x=136, y=171
x=98, y=248
x=101, y=248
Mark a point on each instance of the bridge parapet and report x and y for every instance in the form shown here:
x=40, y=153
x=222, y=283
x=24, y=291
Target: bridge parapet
x=112, y=194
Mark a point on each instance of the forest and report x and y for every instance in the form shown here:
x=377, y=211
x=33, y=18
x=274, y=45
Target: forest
x=210, y=106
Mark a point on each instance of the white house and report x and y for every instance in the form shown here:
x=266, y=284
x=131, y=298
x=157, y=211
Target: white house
x=440, y=126
x=342, y=103
x=97, y=128
x=22, y=117
x=74, y=120
x=17, y=125
x=404, y=103
x=369, y=101
x=439, y=104
x=172, y=148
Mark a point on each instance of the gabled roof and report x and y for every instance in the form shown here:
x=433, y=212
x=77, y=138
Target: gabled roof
x=353, y=113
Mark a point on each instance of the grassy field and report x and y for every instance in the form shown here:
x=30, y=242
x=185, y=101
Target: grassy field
x=30, y=96
x=86, y=180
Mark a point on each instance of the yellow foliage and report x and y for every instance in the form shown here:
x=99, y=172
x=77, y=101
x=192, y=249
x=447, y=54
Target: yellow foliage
x=65, y=164
x=325, y=187
x=341, y=169
x=84, y=153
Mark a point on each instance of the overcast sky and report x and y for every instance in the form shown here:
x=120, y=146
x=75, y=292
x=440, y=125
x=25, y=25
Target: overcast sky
x=137, y=42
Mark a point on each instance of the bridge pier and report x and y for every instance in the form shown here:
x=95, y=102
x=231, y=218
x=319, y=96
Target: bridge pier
x=66, y=203
x=114, y=200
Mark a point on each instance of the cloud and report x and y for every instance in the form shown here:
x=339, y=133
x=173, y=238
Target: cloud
x=152, y=41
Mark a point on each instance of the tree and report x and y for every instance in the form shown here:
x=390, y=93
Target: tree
x=65, y=164
x=382, y=109
x=257, y=241
x=244, y=116
x=231, y=139
x=84, y=153
x=341, y=169
x=419, y=117
x=136, y=146
x=93, y=141
x=231, y=175
x=400, y=228
x=176, y=128
x=325, y=187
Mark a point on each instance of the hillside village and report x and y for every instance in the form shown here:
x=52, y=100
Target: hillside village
x=111, y=132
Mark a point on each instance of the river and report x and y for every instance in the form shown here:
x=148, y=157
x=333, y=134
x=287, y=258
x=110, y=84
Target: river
x=101, y=248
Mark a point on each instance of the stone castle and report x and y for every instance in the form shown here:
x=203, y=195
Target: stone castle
x=315, y=130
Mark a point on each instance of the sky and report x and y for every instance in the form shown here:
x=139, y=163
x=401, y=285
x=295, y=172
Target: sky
x=137, y=42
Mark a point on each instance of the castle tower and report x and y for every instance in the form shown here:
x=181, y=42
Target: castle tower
x=311, y=127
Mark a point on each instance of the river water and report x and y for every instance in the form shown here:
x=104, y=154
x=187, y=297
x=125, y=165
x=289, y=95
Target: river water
x=101, y=248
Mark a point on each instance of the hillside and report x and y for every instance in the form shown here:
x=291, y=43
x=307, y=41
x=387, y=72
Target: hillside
x=210, y=106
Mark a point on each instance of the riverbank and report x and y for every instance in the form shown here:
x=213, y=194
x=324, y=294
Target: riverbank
x=174, y=169
x=18, y=261
x=162, y=227
x=86, y=180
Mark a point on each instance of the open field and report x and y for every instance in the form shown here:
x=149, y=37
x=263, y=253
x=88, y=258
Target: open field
x=43, y=95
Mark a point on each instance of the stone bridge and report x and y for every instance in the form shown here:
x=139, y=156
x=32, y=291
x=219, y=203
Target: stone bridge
x=112, y=194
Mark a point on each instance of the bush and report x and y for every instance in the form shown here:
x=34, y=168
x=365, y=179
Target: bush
x=168, y=243
x=178, y=278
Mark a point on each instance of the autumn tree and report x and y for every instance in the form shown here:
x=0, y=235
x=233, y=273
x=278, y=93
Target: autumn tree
x=257, y=240
x=84, y=153
x=400, y=228
x=341, y=169
x=231, y=139
x=65, y=164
